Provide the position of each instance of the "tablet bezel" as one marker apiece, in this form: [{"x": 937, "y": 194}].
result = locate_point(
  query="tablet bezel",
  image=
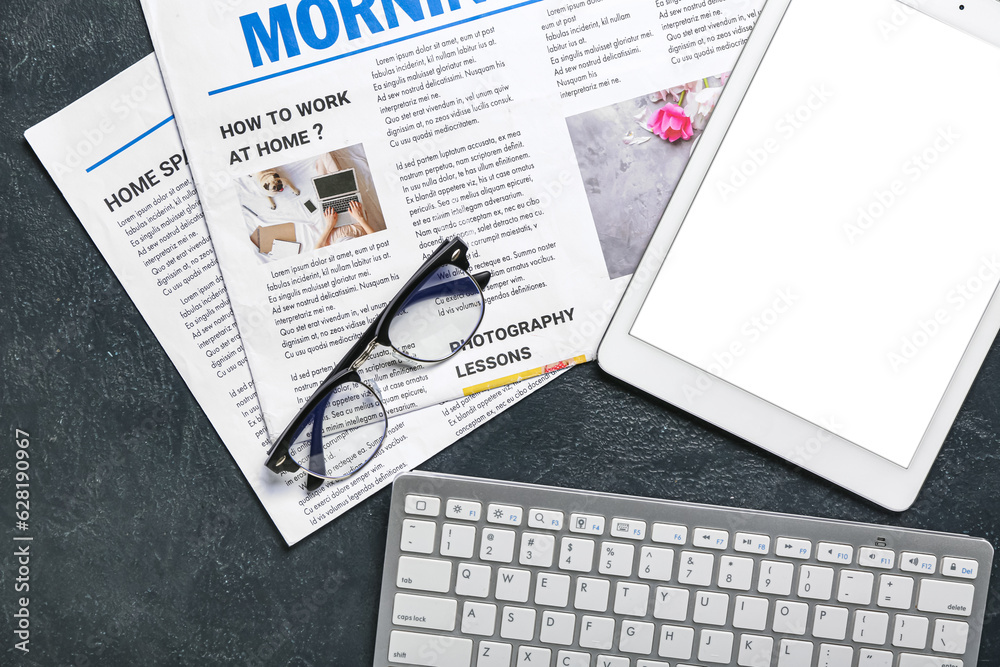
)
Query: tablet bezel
[{"x": 752, "y": 418}]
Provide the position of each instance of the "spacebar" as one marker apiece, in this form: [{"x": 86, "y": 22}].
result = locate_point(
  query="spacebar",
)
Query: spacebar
[{"x": 411, "y": 648}]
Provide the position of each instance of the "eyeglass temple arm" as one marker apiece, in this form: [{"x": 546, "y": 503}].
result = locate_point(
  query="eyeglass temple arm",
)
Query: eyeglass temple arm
[{"x": 316, "y": 444}]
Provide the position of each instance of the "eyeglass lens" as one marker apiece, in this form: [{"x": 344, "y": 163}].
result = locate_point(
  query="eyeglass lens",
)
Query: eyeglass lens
[
  {"x": 353, "y": 424},
  {"x": 438, "y": 317}
]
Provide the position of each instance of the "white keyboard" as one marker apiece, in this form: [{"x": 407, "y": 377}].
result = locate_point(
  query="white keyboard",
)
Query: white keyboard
[{"x": 498, "y": 574}]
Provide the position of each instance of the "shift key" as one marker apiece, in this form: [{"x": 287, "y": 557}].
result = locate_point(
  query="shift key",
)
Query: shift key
[
  {"x": 424, "y": 574},
  {"x": 946, "y": 597},
  {"x": 411, "y": 648}
]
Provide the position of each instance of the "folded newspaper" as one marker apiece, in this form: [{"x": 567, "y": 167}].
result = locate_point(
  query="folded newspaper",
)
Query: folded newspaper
[
  {"x": 548, "y": 134},
  {"x": 159, "y": 248}
]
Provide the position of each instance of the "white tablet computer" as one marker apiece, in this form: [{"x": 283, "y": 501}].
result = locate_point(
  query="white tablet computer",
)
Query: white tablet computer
[{"x": 823, "y": 281}]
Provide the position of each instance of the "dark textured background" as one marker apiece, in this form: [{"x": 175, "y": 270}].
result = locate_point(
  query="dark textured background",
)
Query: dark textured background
[{"x": 151, "y": 548}]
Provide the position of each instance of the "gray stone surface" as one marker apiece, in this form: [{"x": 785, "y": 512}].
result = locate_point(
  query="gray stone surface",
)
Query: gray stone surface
[
  {"x": 628, "y": 185},
  {"x": 150, "y": 547}
]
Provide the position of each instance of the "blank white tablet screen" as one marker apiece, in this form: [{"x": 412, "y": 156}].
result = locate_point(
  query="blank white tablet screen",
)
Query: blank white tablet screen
[{"x": 846, "y": 241}]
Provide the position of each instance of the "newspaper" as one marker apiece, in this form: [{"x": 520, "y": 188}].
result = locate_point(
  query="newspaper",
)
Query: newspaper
[
  {"x": 547, "y": 134},
  {"x": 158, "y": 245}
]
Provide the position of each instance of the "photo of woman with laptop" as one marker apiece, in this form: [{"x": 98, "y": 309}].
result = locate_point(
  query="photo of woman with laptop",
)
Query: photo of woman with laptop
[{"x": 310, "y": 204}]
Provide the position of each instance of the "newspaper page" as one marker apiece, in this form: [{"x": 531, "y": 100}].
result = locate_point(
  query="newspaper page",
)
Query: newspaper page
[
  {"x": 122, "y": 137},
  {"x": 548, "y": 134}
]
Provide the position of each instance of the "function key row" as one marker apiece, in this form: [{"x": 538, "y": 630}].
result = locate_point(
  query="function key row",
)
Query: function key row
[{"x": 706, "y": 538}]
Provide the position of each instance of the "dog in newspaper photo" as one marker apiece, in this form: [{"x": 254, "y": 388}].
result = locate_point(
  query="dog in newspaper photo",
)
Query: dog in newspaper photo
[{"x": 271, "y": 182}]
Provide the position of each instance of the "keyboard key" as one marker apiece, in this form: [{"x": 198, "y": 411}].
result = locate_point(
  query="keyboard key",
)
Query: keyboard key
[
  {"x": 830, "y": 622},
  {"x": 910, "y": 660},
  {"x": 458, "y": 541},
  {"x": 716, "y": 646},
  {"x": 631, "y": 599},
  {"x": 922, "y": 563},
  {"x": 656, "y": 563},
  {"x": 671, "y": 604},
  {"x": 465, "y": 510},
  {"x": 945, "y": 597},
  {"x": 788, "y": 547},
  {"x": 696, "y": 568},
  {"x": 882, "y": 559},
  {"x": 790, "y": 617},
  {"x": 667, "y": 533},
  {"x": 750, "y": 613},
  {"x": 651, "y": 663},
  {"x": 755, "y": 651},
  {"x": 871, "y": 658},
  {"x": 834, "y": 553},
  {"x": 752, "y": 544},
  {"x": 518, "y": 623},
  {"x": 616, "y": 559},
  {"x": 423, "y": 574},
  {"x": 497, "y": 545},
  {"x": 636, "y": 637},
  {"x": 479, "y": 618},
  {"x": 513, "y": 585},
  {"x": 592, "y": 594},
  {"x": 418, "y": 611},
  {"x": 630, "y": 529},
  {"x": 895, "y": 592},
  {"x": 711, "y": 608},
  {"x": 576, "y": 555},
  {"x": 493, "y": 654},
  {"x": 709, "y": 538},
  {"x": 552, "y": 590},
  {"x": 856, "y": 587},
  {"x": 910, "y": 632},
  {"x": 422, "y": 505},
  {"x": 537, "y": 549},
  {"x": 736, "y": 573},
  {"x": 418, "y": 536},
  {"x": 508, "y": 515},
  {"x": 473, "y": 580},
  {"x": 816, "y": 583},
  {"x": 411, "y": 648},
  {"x": 557, "y": 628},
  {"x": 950, "y": 637},
  {"x": 597, "y": 632},
  {"x": 612, "y": 661},
  {"x": 835, "y": 655},
  {"x": 676, "y": 642},
  {"x": 775, "y": 578},
  {"x": 545, "y": 519},
  {"x": 960, "y": 567},
  {"x": 794, "y": 653},
  {"x": 589, "y": 524},
  {"x": 572, "y": 659},
  {"x": 532, "y": 656},
  {"x": 870, "y": 627}
]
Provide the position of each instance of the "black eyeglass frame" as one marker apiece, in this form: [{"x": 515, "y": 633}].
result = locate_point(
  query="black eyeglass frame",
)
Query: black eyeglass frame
[{"x": 452, "y": 252}]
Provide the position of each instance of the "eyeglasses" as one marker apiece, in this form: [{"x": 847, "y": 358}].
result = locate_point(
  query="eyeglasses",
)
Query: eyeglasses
[{"x": 341, "y": 427}]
